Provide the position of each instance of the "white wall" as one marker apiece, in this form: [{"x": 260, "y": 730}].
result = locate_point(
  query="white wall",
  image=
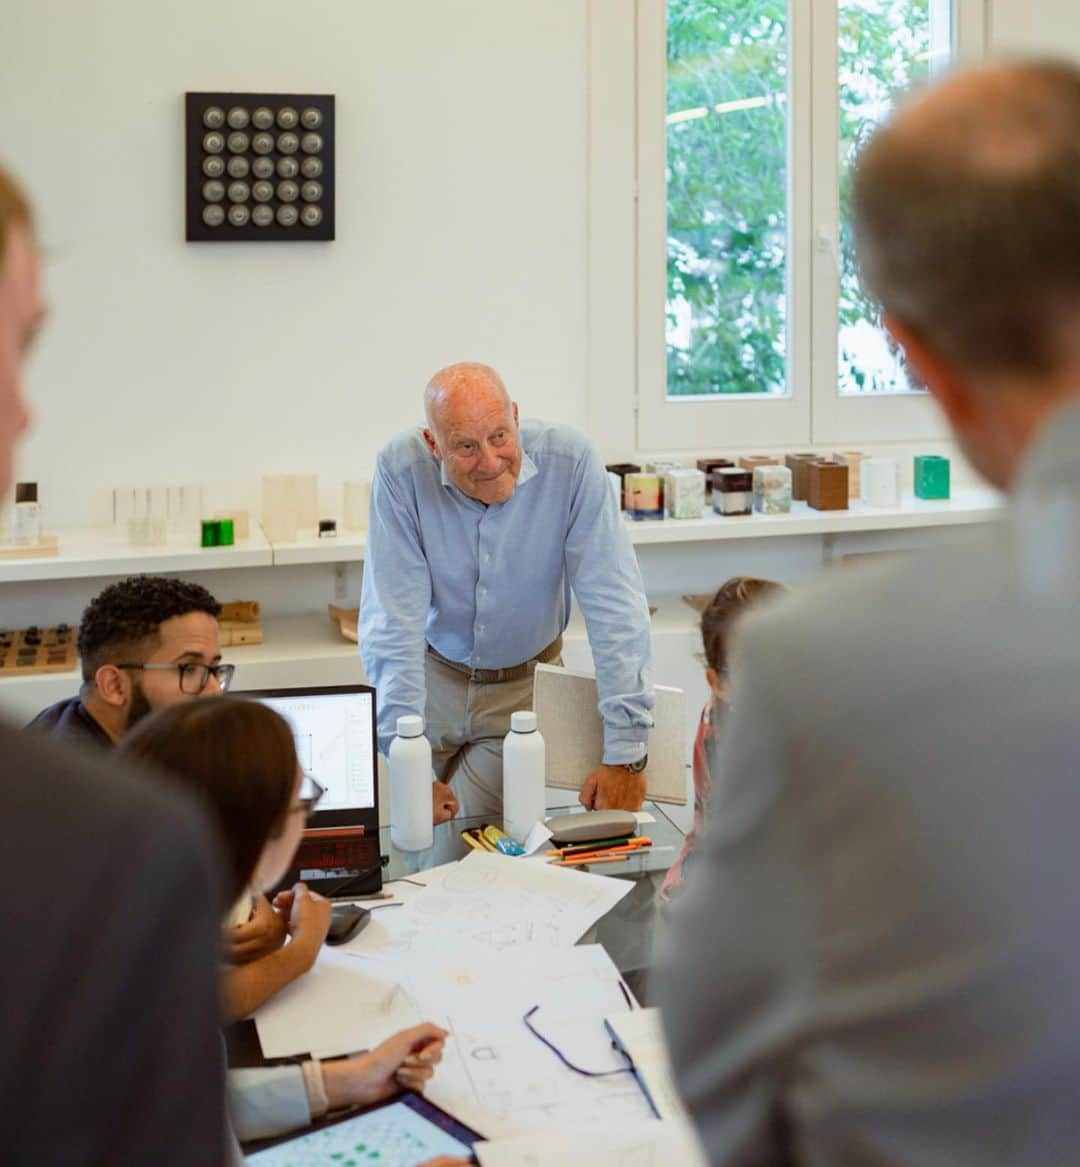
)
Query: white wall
[
  {"x": 1043, "y": 26},
  {"x": 461, "y": 221}
]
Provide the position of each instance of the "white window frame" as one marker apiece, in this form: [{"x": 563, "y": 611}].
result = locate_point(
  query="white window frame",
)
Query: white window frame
[{"x": 812, "y": 412}]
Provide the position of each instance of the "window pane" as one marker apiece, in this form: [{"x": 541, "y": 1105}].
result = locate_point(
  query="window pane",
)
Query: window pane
[
  {"x": 886, "y": 46},
  {"x": 727, "y": 195}
]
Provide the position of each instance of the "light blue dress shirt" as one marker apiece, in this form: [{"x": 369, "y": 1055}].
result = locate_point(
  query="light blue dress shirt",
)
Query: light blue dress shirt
[{"x": 489, "y": 586}]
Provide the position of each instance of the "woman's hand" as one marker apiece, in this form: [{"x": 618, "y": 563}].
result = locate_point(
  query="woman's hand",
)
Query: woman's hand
[
  {"x": 262, "y": 934},
  {"x": 405, "y": 1061}
]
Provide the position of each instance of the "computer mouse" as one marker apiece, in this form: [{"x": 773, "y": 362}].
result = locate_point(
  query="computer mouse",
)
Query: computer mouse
[{"x": 346, "y": 920}]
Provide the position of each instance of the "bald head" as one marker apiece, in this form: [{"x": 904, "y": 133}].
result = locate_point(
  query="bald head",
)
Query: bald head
[
  {"x": 967, "y": 217},
  {"x": 472, "y": 429}
]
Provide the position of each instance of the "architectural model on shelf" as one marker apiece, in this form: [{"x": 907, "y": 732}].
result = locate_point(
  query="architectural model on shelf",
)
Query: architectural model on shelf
[
  {"x": 48, "y": 547},
  {"x": 24, "y": 651}
]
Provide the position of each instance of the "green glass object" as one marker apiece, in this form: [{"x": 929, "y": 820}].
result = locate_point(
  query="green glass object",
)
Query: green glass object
[
  {"x": 226, "y": 537},
  {"x": 931, "y": 476},
  {"x": 211, "y": 532}
]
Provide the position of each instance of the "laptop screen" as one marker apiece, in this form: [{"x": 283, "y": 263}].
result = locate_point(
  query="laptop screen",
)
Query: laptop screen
[
  {"x": 334, "y": 741},
  {"x": 334, "y": 731}
]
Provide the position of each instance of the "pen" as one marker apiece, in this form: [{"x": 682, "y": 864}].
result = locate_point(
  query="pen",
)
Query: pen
[
  {"x": 629, "y": 848},
  {"x": 603, "y": 847},
  {"x": 602, "y": 857},
  {"x": 593, "y": 844}
]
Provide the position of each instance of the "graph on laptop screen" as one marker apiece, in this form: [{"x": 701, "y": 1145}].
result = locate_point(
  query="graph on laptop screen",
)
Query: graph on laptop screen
[{"x": 334, "y": 742}]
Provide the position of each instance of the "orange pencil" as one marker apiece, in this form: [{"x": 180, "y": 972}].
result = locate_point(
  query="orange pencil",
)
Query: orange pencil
[
  {"x": 586, "y": 861},
  {"x": 581, "y": 849},
  {"x": 601, "y": 856}
]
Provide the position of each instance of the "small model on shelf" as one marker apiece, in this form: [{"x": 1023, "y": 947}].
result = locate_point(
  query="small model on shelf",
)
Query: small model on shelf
[
  {"x": 37, "y": 650},
  {"x": 239, "y": 624}
]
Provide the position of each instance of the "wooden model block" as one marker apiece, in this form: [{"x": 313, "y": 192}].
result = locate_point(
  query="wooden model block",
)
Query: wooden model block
[
  {"x": 46, "y": 549},
  {"x": 799, "y": 465},
  {"x": 239, "y": 624},
  {"x": 752, "y": 461},
  {"x": 242, "y": 611},
  {"x": 37, "y": 650},
  {"x": 241, "y": 521},
  {"x": 347, "y": 620},
  {"x": 853, "y": 460},
  {"x": 931, "y": 476},
  {"x": 827, "y": 489}
]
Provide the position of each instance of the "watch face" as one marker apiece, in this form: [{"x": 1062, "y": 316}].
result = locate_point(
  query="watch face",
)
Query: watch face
[
  {"x": 287, "y": 215},
  {"x": 213, "y": 191},
  {"x": 262, "y": 192},
  {"x": 213, "y": 143},
  {"x": 288, "y": 143},
  {"x": 311, "y": 192},
  {"x": 238, "y": 117},
  {"x": 288, "y": 167},
  {"x": 239, "y": 192},
  {"x": 213, "y": 166},
  {"x": 239, "y": 167},
  {"x": 312, "y": 143},
  {"x": 238, "y": 142},
  {"x": 311, "y": 215},
  {"x": 213, "y": 117},
  {"x": 262, "y": 215},
  {"x": 311, "y": 118},
  {"x": 262, "y": 118},
  {"x": 287, "y": 117},
  {"x": 263, "y": 168},
  {"x": 287, "y": 191},
  {"x": 213, "y": 215},
  {"x": 311, "y": 167},
  {"x": 239, "y": 215},
  {"x": 262, "y": 143}
]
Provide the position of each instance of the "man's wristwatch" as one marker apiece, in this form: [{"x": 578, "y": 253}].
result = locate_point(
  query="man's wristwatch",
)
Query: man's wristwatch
[{"x": 638, "y": 766}]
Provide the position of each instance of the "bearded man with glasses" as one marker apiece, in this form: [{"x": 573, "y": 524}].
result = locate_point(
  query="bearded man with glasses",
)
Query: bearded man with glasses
[{"x": 144, "y": 643}]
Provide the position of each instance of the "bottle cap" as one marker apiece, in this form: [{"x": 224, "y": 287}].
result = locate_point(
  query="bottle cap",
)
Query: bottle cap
[
  {"x": 26, "y": 492},
  {"x": 523, "y": 722},
  {"x": 410, "y": 725}
]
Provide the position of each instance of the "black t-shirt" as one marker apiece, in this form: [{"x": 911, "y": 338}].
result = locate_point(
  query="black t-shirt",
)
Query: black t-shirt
[{"x": 70, "y": 721}]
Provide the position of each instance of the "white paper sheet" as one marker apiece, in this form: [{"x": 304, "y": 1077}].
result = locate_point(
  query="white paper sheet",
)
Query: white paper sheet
[
  {"x": 340, "y": 1006},
  {"x": 500, "y": 903},
  {"x": 496, "y": 1075},
  {"x": 638, "y": 1144},
  {"x": 641, "y": 1034}
]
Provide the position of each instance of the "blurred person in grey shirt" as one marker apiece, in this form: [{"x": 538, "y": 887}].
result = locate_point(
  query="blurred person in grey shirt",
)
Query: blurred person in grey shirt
[{"x": 877, "y": 960}]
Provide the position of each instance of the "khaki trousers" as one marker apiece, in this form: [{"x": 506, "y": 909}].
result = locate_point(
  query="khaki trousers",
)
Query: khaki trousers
[{"x": 466, "y": 721}]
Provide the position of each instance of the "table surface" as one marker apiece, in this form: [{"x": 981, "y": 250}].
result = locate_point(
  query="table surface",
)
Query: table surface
[{"x": 666, "y": 835}]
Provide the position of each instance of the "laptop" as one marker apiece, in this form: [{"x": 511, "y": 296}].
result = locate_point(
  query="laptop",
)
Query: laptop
[{"x": 337, "y": 745}]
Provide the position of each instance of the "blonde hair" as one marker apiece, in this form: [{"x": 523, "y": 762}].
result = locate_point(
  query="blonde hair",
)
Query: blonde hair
[{"x": 14, "y": 210}]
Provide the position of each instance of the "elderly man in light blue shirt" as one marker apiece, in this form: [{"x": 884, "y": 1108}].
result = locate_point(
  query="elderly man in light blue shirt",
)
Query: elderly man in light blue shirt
[{"x": 479, "y": 530}]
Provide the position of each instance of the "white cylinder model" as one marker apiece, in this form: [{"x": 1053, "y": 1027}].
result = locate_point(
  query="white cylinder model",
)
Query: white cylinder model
[
  {"x": 523, "y": 776},
  {"x": 880, "y": 482},
  {"x": 410, "y": 787}
]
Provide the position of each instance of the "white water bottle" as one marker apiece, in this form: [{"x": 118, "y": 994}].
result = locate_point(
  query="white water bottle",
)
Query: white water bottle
[
  {"x": 410, "y": 786},
  {"x": 523, "y": 776}
]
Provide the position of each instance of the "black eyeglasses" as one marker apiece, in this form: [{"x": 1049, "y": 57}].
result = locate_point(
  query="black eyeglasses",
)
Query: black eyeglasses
[
  {"x": 194, "y": 677},
  {"x": 309, "y": 801},
  {"x": 627, "y": 1069}
]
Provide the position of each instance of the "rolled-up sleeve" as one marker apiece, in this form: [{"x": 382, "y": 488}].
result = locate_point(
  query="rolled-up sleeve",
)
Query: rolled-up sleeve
[
  {"x": 394, "y": 604},
  {"x": 604, "y": 573}
]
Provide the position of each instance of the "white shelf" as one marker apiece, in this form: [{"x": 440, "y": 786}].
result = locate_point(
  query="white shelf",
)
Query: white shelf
[
  {"x": 104, "y": 551},
  {"x": 966, "y": 506},
  {"x": 340, "y": 549}
]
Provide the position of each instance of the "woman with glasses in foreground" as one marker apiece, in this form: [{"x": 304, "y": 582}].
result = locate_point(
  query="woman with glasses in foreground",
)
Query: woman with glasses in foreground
[{"x": 239, "y": 757}]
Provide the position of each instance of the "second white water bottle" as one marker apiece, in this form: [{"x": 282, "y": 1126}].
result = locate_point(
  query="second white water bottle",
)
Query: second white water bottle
[
  {"x": 410, "y": 786},
  {"x": 523, "y": 776}
]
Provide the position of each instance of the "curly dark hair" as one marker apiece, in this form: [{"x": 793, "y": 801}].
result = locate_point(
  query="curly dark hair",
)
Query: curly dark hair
[{"x": 120, "y": 620}]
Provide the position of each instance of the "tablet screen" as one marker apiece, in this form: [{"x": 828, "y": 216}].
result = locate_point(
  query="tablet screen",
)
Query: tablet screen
[{"x": 403, "y": 1133}]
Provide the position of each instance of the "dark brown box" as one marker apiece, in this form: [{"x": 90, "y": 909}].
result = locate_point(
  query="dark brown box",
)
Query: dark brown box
[
  {"x": 827, "y": 486},
  {"x": 799, "y": 465},
  {"x": 708, "y": 465}
]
